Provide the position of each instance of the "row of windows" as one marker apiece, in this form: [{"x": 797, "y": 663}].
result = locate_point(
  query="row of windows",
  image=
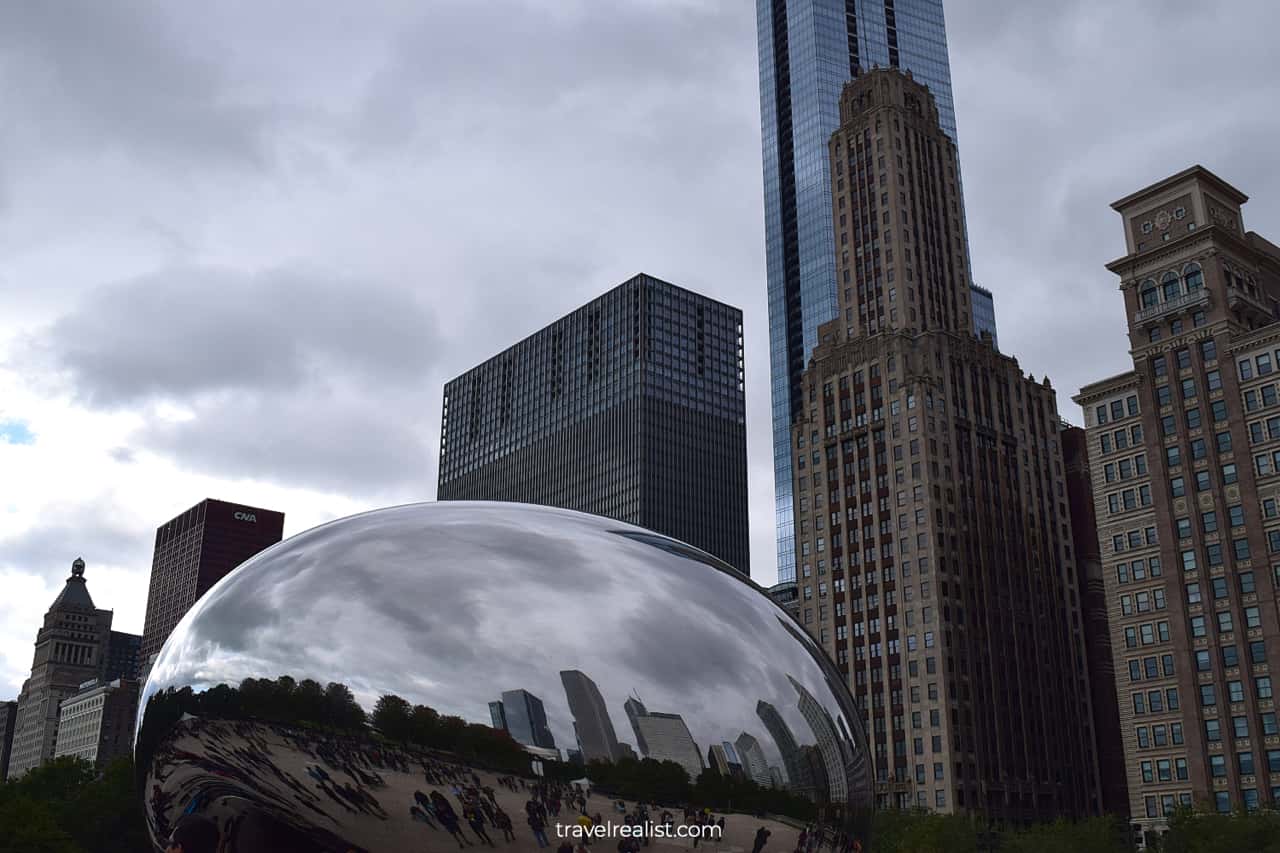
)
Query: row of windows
[
  {"x": 1178, "y": 485},
  {"x": 1219, "y": 587},
  {"x": 1213, "y": 553},
  {"x": 1160, "y": 735},
  {"x": 1213, "y": 381},
  {"x": 1155, "y": 701},
  {"x": 1177, "y": 327},
  {"x": 1240, "y": 727},
  {"x": 1194, "y": 419},
  {"x": 1126, "y": 469},
  {"x": 1260, "y": 398},
  {"x": 1258, "y": 365},
  {"x": 1146, "y": 634},
  {"x": 1133, "y": 539},
  {"x": 1244, "y": 764},
  {"x": 1182, "y": 357},
  {"x": 1151, "y": 667},
  {"x": 1121, "y": 439},
  {"x": 1137, "y": 570},
  {"x": 1209, "y": 521},
  {"x": 1231, "y": 656},
  {"x": 1235, "y": 691},
  {"x": 1142, "y": 602},
  {"x": 1118, "y": 409},
  {"x": 1260, "y": 431},
  {"x": 1164, "y": 770},
  {"x": 1171, "y": 286},
  {"x": 1129, "y": 499},
  {"x": 1226, "y": 623}
]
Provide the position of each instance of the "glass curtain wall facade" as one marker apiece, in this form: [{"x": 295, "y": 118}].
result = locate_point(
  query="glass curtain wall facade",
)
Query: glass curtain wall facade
[
  {"x": 808, "y": 50},
  {"x": 631, "y": 407}
]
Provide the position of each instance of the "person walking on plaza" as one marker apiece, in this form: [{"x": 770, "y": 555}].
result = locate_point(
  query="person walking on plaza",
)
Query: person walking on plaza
[
  {"x": 503, "y": 821},
  {"x": 473, "y": 817},
  {"x": 537, "y": 823},
  {"x": 762, "y": 835},
  {"x": 448, "y": 818}
]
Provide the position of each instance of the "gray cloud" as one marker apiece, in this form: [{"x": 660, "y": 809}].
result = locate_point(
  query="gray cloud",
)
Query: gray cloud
[
  {"x": 124, "y": 80},
  {"x": 76, "y": 530},
  {"x": 455, "y": 178},
  {"x": 310, "y": 381},
  {"x": 1063, "y": 108},
  {"x": 181, "y": 333},
  {"x": 336, "y": 438}
]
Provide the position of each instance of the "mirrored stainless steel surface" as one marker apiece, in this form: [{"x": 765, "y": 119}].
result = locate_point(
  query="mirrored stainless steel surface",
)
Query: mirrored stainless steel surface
[{"x": 382, "y": 681}]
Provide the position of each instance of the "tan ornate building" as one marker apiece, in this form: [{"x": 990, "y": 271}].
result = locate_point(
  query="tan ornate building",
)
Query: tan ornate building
[
  {"x": 71, "y": 648},
  {"x": 1184, "y": 454},
  {"x": 934, "y": 544}
]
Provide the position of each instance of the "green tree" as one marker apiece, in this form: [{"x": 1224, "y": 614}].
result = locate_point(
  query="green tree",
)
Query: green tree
[
  {"x": 68, "y": 807},
  {"x": 30, "y": 826},
  {"x": 1208, "y": 832},
  {"x": 1095, "y": 835},
  {"x": 392, "y": 716}
]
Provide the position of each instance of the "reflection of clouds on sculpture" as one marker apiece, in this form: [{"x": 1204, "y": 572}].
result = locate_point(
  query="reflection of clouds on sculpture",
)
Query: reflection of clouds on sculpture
[{"x": 450, "y": 604}]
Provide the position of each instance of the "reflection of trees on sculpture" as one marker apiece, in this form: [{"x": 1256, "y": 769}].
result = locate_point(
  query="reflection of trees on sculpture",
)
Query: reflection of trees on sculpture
[
  {"x": 333, "y": 708},
  {"x": 472, "y": 743},
  {"x": 285, "y": 700}
]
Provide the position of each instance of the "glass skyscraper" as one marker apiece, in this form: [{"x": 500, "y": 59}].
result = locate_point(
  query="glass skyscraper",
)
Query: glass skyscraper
[
  {"x": 809, "y": 49},
  {"x": 631, "y": 407}
]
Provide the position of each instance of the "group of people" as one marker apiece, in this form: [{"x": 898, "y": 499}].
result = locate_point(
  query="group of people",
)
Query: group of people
[
  {"x": 480, "y": 810},
  {"x": 342, "y": 783},
  {"x": 240, "y": 759},
  {"x": 814, "y": 837}
]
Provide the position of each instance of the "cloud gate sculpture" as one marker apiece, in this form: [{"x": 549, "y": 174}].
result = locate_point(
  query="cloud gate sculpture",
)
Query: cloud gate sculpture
[{"x": 445, "y": 674}]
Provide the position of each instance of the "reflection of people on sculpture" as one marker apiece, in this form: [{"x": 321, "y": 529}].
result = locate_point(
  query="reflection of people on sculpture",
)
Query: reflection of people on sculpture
[
  {"x": 475, "y": 820},
  {"x": 193, "y": 834},
  {"x": 537, "y": 819},
  {"x": 503, "y": 822}
]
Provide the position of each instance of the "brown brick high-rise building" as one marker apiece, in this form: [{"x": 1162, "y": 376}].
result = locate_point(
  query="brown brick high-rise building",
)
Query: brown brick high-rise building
[
  {"x": 1092, "y": 585},
  {"x": 193, "y": 552},
  {"x": 1185, "y": 452},
  {"x": 934, "y": 544}
]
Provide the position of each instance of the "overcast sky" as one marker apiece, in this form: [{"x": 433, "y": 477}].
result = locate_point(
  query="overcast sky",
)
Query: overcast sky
[{"x": 242, "y": 245}]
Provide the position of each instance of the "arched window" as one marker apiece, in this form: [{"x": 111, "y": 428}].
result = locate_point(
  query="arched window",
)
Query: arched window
[
  {"x": 1149, "y": 295},
  {"x": 1169, "y": 288},
  {"x": 1192, "y": 275}
]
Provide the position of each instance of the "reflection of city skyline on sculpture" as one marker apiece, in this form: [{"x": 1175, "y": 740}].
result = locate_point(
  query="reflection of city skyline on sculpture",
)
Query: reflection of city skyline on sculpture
[
  {"x": 524, "y": 717},
  {"x": 830, "y": 745},
  {"x": 797, "y": 770},
  {"x": 596, "y": 737},
  {"x": 754, "y": 762},
  {"x": 602, "y": 618},
  {"x": 664, "y": 737}
]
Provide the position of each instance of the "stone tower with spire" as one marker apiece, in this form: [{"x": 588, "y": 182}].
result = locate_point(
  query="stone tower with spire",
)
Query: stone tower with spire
[
  {"x": 71, "y": 648},
  {"x": 933, "y": 536}
]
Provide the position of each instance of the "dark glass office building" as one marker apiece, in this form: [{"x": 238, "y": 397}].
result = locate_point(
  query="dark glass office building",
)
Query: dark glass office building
[
  {"x": 984, "y": 313},
  {"x": 808, "y": 50},
  {"x": 124, "y": 653},
  {"x": 526, "y": 719},
  {"x": 631, "y": 407},
  {"x": 193, "y": 552}
]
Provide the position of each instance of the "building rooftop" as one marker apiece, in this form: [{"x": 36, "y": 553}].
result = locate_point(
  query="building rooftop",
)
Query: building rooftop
[
  {"x": 76, "y": 591},
  {"x": 1196, "y": 171}
]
